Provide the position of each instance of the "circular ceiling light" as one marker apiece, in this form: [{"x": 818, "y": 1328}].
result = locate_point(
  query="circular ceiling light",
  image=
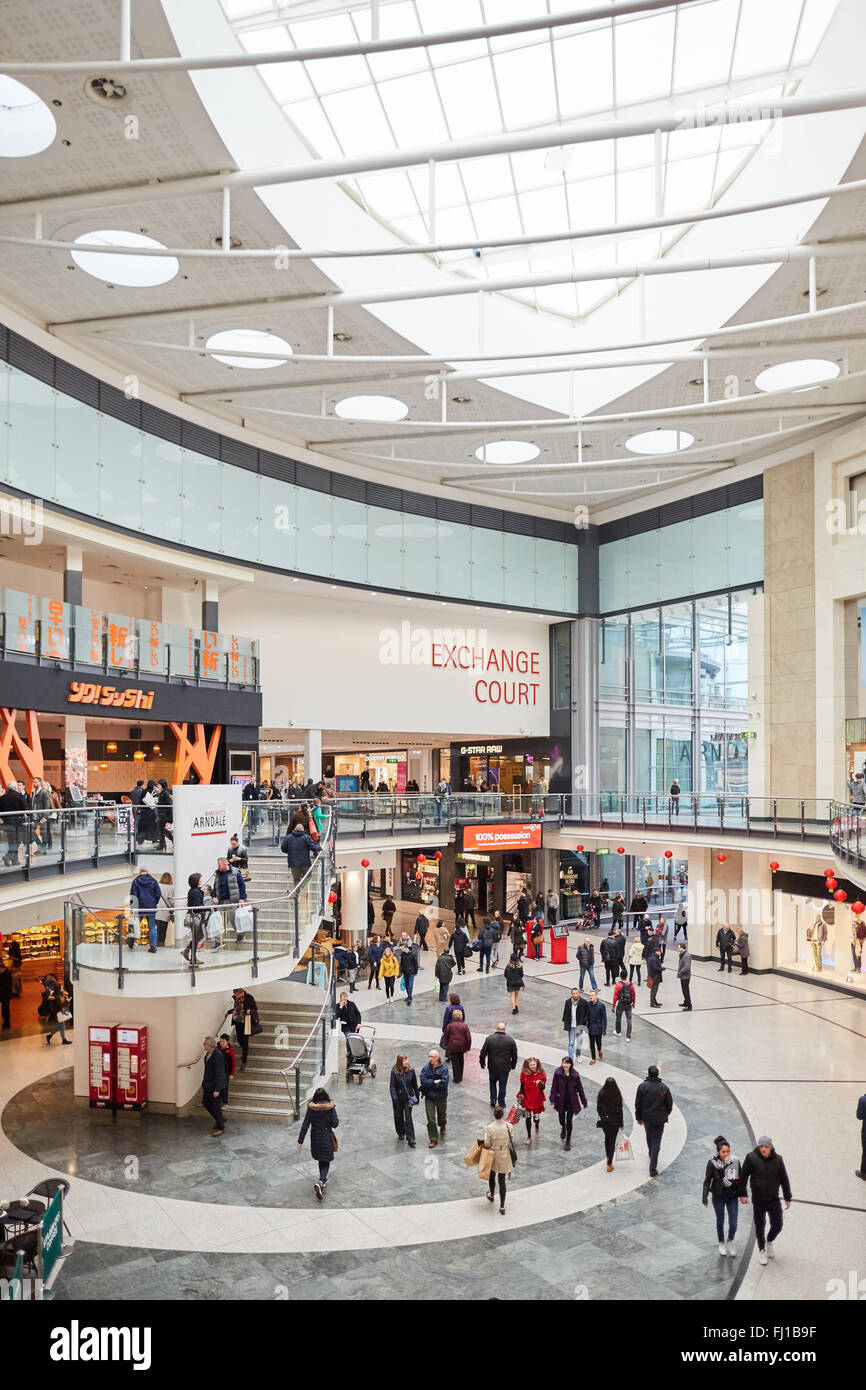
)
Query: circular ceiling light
[
  {"x": 508, "y": 451},
  {"x": 26, "y": 123},
  {"x": 797, "y": 375},
  {"x": 659, "y": 441},
  {"x": 248, "y": 340},
  {"x": 381, "y": 408},
  {"x": 137, "y": 271}
]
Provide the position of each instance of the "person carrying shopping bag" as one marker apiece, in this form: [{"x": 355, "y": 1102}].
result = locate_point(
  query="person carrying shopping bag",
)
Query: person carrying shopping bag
[{"x": 498, "y": 1143}]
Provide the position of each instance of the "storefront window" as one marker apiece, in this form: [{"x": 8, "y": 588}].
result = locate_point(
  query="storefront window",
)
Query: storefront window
[{"x": 420, "y": 881}]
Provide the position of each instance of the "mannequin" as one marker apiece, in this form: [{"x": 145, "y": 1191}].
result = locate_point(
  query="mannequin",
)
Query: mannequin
[{"x": 816, "y": 935}]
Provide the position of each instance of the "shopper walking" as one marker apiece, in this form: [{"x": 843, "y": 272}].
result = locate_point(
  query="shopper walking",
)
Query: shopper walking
[
  {"x": 404, "y": 1098},
  {"x": 487, "y": 939},
  {"x": 434, "y": 1088},
  {"x": 638, "y": 906},
  {"x": 408, "y": 967},
  {"x": 575, "y": 1021},
  {"x": 617, "y": 910},
  {"x": 165, "y": 908},
  {"x": 684, "y": 975},
  {"x": 681, "y": 923},
  {"x": 457, "y": 1041},
  {"x": 453, "y": 1003},
  {"x": 469, "y": 907},
  {"x": 596, "y": 1027},
  {"x": 765, "y": 1170},
  {"x": 861, "y": 1115},
  {"x": 225, "y": 1047},
  {"x": 654, "y": 972},
  {"x": 444, "y": 971},
  {"x": 375, "y": 951},
  {"x": 609, "y": 1104},
  {"x": 144, "y": 898},
  {"x": 653, "y": 1104},
  {"x": 229, "y": 889},
  {"x": 299, "y": 848},
  {"x": 348, "y": 1015},
  {"x": 195, "y": 918},
  {"x": 586, "y": 961},
  {"x": 608, "y": 953},
  {"x": 552, "y": 908},
  {"x": 595, "y": 906},
  {"x": 460, "y": 945},
  {"x": 533, "y": 1080},
  {"x": 389, "y": 908},
  {"x": 499, "y": 1055},
  {"x": 634, "y": 960},
  {"x": 321, "y": 1120},
  {"x": 675, "y": 797},
  {"x": 213, "y": 1083},
  {"x": 619, "y": 944},
  {"x": 514, "y": 982},
  {"x": 5, "y": 994},
  {"x": 567, "y": 1098},
  {"x": 743, "y": 950},
  {"x": 499, "y": 1142},
  {"x": 722, "y": 1183},
  {"x": 55, "y": 1003},
  {"x": 245, "y": 1020},
  {"x": 422, "y": 926},
  {"x": 389, "y": 969},
  {"x": 536, "y": 937},
  {"x": 624, "y": 1001},
  {"x": 725, "y": 940}
]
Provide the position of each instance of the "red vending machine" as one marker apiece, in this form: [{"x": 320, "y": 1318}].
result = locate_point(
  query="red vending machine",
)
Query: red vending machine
[
  {"x": 100, "y": 1055},
  {"x": 130, "y": 1084},
  {"x": 559, "y": 944}
]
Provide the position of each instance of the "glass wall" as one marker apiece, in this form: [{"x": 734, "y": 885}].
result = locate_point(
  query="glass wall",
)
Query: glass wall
[
  {"x": 720, "y": 550},
  {"x": 64, "y": 451}
]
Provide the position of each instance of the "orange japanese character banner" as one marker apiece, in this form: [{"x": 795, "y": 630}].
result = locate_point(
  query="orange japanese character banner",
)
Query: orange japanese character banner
[
  {"x": 28, "y": 754},
  {"x": 55, "y": 622},
  {"x": 121, "y": 642}
]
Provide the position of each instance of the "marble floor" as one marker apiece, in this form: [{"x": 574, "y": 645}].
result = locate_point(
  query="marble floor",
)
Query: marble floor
[{"x": 158, "y": 1201}]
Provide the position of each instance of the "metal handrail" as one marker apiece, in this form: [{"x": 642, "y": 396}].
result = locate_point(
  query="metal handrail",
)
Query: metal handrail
[{"x": 294, "y": 1066}]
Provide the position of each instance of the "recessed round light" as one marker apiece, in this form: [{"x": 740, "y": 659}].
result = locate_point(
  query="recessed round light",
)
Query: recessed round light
[
  {"x": 248, "y": 340},
  {"x": 798, "y": 374},
  {"x": 659, "y": 441},
  {"x": 382, "y": 408},
  {"x": 136, "y": 271},
  {"x": 508, "y": 451},
  {"x": 26, "y": 124}
]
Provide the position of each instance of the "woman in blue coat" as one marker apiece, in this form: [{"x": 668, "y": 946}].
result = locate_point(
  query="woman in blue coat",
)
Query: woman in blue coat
[{"x": 321, "y": 1120}]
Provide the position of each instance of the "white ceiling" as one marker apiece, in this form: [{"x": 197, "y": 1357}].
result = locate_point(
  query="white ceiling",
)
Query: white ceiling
[{"x": 176, "y": 137}]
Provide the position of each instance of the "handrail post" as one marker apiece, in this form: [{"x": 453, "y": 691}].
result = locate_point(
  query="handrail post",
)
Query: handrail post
[
  {"x": 748, "y": 803},
  {"x": 96, "y": 837},
  {"x": 775, "y": 821},
  {"x": 63, "y": 842},
  {"x": 297, "y": 1092},
  {"x": 254, "y": 964},
  {"x": 295, "y": 901},
  {"x": 802, "y": 820},
  {"x": 76, "y": 931},
  {"x": 119, "y": 924}
]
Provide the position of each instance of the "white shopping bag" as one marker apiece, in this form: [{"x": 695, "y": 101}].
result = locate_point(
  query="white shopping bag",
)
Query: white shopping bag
[{"x": 624, "y": 1150}]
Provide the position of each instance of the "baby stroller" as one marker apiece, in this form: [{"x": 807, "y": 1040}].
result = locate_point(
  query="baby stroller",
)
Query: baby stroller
[
  {"x": 588, "y": 921},
  {"x": 360, "y": 1045}
]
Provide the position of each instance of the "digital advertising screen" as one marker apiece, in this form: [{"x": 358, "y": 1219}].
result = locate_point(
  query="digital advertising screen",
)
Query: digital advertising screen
[{"x": 479, "y": 839}]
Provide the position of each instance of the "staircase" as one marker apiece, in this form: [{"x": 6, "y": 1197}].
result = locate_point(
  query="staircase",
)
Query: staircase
[{"x": 261, "y": 1089}]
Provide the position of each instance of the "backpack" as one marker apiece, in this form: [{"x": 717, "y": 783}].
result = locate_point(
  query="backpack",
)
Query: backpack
[
  {"x": 627, "y": 995},
  {"x": 351, "y": 960}
]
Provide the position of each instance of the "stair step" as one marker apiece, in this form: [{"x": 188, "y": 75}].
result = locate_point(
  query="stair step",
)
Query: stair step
[{"x": 287, "y": 1114}]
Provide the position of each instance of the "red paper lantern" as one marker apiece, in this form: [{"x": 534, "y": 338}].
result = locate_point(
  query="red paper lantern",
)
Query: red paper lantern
[
  {"x": 669, "y": 854},
  {"x": 774, "y": 864},
  {"x": 620, "y": 849},
  {"x": 365, "y": 863},
  {"x": 438, "y": 854},
  {"x": 832, "y": 885},
  {"x": 332, "y": 897},
  {"x": 721, "y": 858},
  {"x": 422, "y": 859},
  {"x": 828, "y": 873},
  {"x": 840, "y": 895},
  {"x": 858, "y": 908},
  {"x": 579, "y": 848}
]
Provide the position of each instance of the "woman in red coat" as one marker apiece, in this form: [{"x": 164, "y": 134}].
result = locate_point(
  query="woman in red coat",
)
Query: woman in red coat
[{"x": 533, "y": 1080}]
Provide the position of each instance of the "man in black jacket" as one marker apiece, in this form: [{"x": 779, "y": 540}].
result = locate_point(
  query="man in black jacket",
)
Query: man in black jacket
[
  {"x": 767, "y": 1173},
  {"x": 499, "y": 1055},
  {"x": 422, "y": 926},
  {"x": 213, "y": 1083},
  {"x": 725, "y": 940},
  {"x": 349, "y": 1015},
  {"x": 12, "y": 803},
  {"x": 653, "y": 1104},
  {"x": 575, "y": 1021}
]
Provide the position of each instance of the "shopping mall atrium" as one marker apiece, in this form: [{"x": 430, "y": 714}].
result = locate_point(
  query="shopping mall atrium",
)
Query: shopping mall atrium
[{"x": 464, "y": 397}]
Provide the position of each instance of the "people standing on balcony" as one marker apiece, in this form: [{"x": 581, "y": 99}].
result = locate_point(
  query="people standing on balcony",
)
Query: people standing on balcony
[
  {"x": 440, "y": 800},
  {"x": 514, "y": 982},
  {"x": 245, "y": 1020},
  {"x": 213, "y": 1083},
  {"x": 165, "y": 907},
  {"x": 249, "y": 796},
  {"x": 148, "y": 824},
  {"x": 12, "y": 806},
  {"x": 567, "y": 1098},
  {"x": 586, "y": 961},
  {"x": 743, "y": 950},
  {"x": 299, "y": 849},
  {"x": 675, "y": 797},
  {"x": 653, "y": 1104},
  {"x": 624, "y": 1001},
  {"x": 321, "y": 1120},
  {"x": 164, "y": 813},
  {"x": 857, "y": 792},
  {"x": 375, "y": 951},
  {"x": 404, "y": 1098},
  {"x": 726, "y": 940},
  {"x": 457, "y": 1041},
  {"x": 195, "y": 917},
  {"x": 144, "y": 896},
  {"x": 40, "y": 801},
  {"x": 684, "y": 975},
  {"x": 389, "y": 969}
]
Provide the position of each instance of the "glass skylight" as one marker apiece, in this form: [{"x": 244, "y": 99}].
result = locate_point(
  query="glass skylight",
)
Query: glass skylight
[
  {"x": 26, "y": 124},
  {"x": 381, "y": 408},
  {"x": 138, "y": 271},
  {"x": 508, "y": 451},
  {"x": 248, "y": 340},
  {"x": 659, "y": 441},
  {"x": 797, "y": 375},
  {"x": 710, "y": 50}
]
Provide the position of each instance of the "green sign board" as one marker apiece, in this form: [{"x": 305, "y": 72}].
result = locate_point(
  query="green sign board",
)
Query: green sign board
[
  {"x": 52, "y": 1235},
  {"x": 12, "y": 1289}
]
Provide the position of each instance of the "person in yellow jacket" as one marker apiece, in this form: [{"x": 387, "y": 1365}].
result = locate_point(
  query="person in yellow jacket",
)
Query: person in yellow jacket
[{"x": 388, "y": 971}]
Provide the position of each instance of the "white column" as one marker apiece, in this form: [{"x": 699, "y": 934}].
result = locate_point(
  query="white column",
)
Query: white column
[
  {"x": 353, "y": 884},
  {"x": 313, "y": 754}
]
